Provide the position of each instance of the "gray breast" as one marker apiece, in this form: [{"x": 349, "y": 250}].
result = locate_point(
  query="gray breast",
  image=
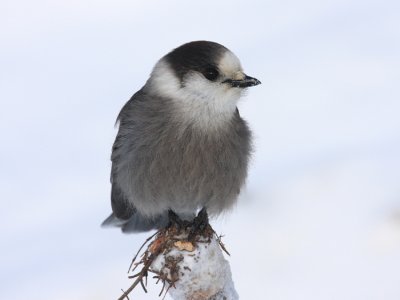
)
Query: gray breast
[{"x": 161, "y": 165}]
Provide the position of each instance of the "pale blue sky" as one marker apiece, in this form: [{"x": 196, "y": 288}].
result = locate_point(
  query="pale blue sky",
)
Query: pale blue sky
[{"x": 320, "y": 217}]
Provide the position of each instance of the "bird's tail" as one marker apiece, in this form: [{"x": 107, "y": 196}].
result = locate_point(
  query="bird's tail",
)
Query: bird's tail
[{"x": 136, "y": 223}]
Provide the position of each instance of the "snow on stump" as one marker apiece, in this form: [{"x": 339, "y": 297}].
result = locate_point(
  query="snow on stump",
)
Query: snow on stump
[{"x": 188, "y": 260}]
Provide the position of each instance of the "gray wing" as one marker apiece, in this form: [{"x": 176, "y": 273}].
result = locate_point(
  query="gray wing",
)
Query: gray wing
[
  {"x": 124, "y": 213},
  {"x": 122, "y": 208}
]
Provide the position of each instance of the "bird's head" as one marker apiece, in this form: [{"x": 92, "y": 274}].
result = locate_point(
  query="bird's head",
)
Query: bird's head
[{"x": 204, "y": 79}]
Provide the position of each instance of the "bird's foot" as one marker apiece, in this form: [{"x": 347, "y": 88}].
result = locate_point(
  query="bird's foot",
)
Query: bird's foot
[
  {"x": 175, "y": 221},
  {"x": 199, "y": 225}
]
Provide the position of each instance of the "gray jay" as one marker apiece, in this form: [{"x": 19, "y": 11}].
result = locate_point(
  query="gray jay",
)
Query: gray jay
[{"x": 181, "y": 145}]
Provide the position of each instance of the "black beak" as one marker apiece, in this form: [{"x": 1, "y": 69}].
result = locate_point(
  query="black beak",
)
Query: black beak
[{"x": 247, "y": 81}]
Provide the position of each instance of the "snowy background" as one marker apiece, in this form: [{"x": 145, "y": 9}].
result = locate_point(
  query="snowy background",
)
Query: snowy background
[{"x": 320, "y": 217}]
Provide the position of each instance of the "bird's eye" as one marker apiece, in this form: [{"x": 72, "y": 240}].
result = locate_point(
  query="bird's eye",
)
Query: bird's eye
[{"x": 211, "y": 74}]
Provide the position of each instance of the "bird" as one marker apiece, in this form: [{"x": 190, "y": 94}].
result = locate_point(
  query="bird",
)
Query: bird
[{"x": 181, "y": 146}]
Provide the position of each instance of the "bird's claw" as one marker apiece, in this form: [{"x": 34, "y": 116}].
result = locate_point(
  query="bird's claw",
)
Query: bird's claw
[{"x": 199, "y": 225}]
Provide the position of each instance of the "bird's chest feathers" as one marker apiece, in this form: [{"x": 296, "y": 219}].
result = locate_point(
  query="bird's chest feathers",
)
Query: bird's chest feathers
[{"x": 195, "y": 155}]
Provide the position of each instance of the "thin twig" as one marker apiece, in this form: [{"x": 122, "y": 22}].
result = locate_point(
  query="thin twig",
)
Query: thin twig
[
  {"x": 221, "y": 244},
  {"x": 166, "y": 292},
  {"x": 139, "y": 279},
  {"x": 140, "y": 249},
  {"x": 126, "y": 295}
]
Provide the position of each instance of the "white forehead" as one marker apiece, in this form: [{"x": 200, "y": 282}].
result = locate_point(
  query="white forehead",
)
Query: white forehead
[{"x": 229, "y": 63}]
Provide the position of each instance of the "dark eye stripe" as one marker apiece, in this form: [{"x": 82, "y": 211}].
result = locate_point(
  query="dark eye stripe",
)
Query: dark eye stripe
[{"x": 211, "y": 74}]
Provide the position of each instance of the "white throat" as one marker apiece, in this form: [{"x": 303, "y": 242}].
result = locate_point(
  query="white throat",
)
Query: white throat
[{"x": 199, "y": 101}]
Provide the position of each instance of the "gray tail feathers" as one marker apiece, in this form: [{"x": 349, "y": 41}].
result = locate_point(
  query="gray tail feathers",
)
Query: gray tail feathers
[{"x": 136, "y": 223}]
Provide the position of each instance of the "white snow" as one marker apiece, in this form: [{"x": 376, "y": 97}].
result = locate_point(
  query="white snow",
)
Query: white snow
[{"x": 203, "y": 273}]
